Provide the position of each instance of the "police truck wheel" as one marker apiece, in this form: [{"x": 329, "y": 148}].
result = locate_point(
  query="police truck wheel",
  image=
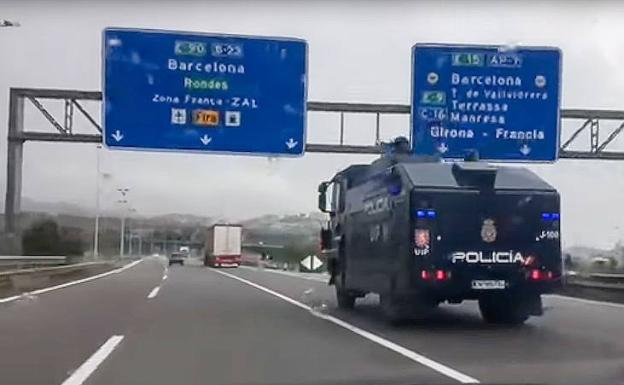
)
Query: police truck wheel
[
  {"x": 394, "y": 310},
  {"x": 502, "y": 310},
  {"x": 345, "y": 299}
]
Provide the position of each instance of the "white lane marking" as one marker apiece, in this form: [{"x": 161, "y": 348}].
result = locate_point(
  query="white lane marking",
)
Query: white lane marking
[
  {"x": 165, "y": 276},
  {"x": 9, "y": 299},
  {"x": 91, "y": 364},
  {"x": 587, "y": 301},
  {"x": 72, "y": 283},
  {"x": 153, "y": 293},
  {"x": 324, "y": 280},
  {"x": 438, "y": 367},
  {"x": 289, "y": 274}
]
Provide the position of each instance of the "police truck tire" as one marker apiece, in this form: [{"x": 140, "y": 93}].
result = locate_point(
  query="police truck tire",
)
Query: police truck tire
[
  {"x": 502, "y": 310},
  {"x": 394, "y": 311},
  {"x": 345, "y": 299}
]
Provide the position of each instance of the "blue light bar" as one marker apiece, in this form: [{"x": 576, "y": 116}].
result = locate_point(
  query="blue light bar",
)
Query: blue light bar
[
  {"x": 394, "y": 190},
  {"x": 420, "y": 214},
  {"x": 431, "y": 214},
  {"x": 551, "y": 216}
]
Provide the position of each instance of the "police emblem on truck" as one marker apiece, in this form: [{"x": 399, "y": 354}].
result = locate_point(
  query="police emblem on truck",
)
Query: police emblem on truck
[{"x": 488, "y": 231}]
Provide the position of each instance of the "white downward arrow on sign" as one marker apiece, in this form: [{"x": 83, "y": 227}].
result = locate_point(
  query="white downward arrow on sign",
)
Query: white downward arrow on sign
[
  {"x": 117, "y": 136},
  {"x": 291, "y": 143},
  {"x": 205, "y": 139},
  {"x": 443, "y": 148},
  {"x": 525, "y": 150}
]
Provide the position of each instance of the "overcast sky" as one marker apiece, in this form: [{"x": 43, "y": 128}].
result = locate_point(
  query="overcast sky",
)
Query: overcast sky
[{"x": 358, "y": 52}]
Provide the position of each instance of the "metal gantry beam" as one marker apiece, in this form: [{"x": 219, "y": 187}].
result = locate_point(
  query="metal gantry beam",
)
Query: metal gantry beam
[{"x": 591, "y": 120}]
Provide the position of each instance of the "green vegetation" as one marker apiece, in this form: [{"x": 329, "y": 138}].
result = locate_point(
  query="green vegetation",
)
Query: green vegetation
[{"x": 45, "y": 237}]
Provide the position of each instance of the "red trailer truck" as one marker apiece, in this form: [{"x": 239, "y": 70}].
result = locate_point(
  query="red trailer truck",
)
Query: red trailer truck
[{"x": 223, "y": 246}]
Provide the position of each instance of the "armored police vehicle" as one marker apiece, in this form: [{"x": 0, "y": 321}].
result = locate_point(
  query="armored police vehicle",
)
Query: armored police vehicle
[{"x": 419, "y": 231}]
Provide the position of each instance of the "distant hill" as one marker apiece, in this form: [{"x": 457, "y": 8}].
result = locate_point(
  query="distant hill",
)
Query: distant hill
[
  {"x": 183, "y": 219},
  {"x": 302, "y": 229},
  {"x": 54, "y": 207}
]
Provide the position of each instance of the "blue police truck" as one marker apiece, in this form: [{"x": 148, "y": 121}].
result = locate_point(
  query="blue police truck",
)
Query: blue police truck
[{"x": 419, "y": 231}]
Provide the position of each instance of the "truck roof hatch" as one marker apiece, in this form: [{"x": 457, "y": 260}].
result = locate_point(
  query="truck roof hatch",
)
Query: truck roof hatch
[{"x": 474, "y": 174}]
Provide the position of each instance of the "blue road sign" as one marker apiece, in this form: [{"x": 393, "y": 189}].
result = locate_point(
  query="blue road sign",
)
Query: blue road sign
[
  {"x": 503, "y": 103},
  {"x": 198, "y": 92}
]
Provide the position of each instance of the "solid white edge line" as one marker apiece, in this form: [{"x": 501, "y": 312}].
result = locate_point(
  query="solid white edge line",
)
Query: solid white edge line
[
  {"x": 153, "y": 293},
  {"x": 288, "y": 274},
  {"x": 92, "y": 363},
  {"x": 9, "y": 299},
  {"x": 438, "y": 367},
  {"x": 72, "y": 283}
]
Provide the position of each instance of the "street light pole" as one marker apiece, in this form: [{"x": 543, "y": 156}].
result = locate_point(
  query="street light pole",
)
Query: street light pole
[
  {"x": 121, "y": 238},
  {"x": 131, "y": 210},
  {"x": 123, "y": 192}
]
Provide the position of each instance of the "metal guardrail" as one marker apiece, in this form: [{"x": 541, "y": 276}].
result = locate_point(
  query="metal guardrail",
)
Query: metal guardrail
[
  {"x": 607, "y": 276},
  {"x": 597, "y": 280},
  {"x": 21, "y": 262},
  {"x": 23, "y": 280},
  {"x": 52, "y": 269}
]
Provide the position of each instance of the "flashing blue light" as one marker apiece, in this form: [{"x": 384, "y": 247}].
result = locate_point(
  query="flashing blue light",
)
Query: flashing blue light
[
  {"x": 431, "y": 214},
  {"x": 551, "y": 216},
  {"x": 420, "y": 214},
  {"x": 394, "y": 190}
]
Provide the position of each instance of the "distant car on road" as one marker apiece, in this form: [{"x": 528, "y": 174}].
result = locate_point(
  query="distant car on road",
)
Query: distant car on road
[{"x": 177, "y": 257}]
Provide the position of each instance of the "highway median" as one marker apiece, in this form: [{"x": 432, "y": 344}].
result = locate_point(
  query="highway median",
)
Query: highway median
[{"x": 19, "y": 281}]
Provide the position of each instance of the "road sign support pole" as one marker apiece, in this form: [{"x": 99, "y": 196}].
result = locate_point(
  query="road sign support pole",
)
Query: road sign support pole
[
  {"x": 377, "y": 133},
  {"x": 15, "y": 147},
  {"x": 341, "y": 128},
  {"x": 96, "y": 230}
]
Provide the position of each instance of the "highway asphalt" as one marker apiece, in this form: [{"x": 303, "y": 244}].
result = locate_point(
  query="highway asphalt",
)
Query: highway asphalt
[{"x": 192, "y": 325}]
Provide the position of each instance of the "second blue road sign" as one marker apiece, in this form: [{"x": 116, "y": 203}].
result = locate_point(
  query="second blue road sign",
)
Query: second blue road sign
[
  {"x": 503, "y": 103},
  {"x": 208, "y": 93}
]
